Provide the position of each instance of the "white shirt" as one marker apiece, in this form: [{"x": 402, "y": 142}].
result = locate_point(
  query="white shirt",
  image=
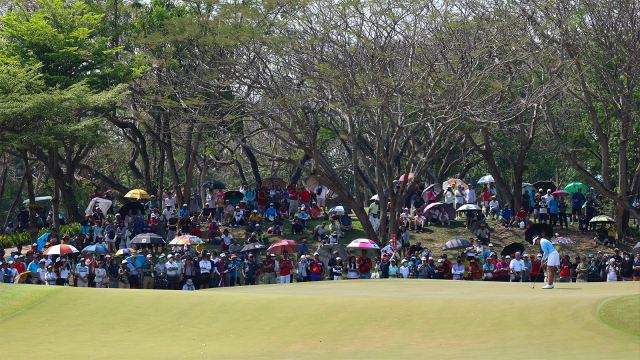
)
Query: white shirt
[
  {"x": 205, "y": 266},
  {"x": 64, "y": 272},
  {"x": 404, "y": 271},
  {"x": 323, "y": 194},
  {"x": 42, "y": 273},
  {"x": 186, "y": 287},
  {"x": 494, "y": 204},
  {"x": 517, "y": 265},
  {"x": 227, "y": 239},
  {"x": 471, "y": 196},
  {"x": 459, "y": 197},
  {"x": 543, "y": 207},
  {"x": 171, "y": 202},
  {"x": 448, "y": 197},
  {"x": 172, "y": 264},
  {"x": 238, "y": 214},
  {"x": 492, "y": 192},
  {"x": 100, "y": 274},
  {"x": 166, "y": 215},
  {"x": 548, "y": 198},
  {"x": 50, "y": 277},
  {"x": 211, "y": 200}
]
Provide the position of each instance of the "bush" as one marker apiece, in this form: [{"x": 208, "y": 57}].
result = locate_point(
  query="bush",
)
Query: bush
[{"x": 24, "y": 238}]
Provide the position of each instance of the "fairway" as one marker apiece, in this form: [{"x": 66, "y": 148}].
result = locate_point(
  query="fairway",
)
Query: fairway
[{"x": 344, "y": 319}]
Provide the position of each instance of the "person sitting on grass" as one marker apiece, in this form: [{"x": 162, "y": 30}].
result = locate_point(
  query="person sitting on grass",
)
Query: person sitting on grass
[
  {"x": 271, "y": 213},
  {"x": 522, "y": 216},
  {"x": 420, "y": 221},
  {"x": 346, "y": 223},
  {"x": 483, "y": 234},
  {"x": 506, "y": 220},
  {"x": 320, "y": 231},
  {"x": 296, "y": 227},
  {"x": 304, "y": 217},
  {"x": 277, "y": 228}
]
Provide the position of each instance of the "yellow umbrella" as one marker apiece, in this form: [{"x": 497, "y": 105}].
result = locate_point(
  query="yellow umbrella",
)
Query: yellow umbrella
[
  {"x": 137, "y": 193},
  {"x": 23, "y": 277},
  {"x": 125, "y": 251}
]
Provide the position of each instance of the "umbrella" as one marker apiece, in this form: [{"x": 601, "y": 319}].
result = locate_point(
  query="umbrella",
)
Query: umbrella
[
  {"x": 96, "y": 249},
  {"x": 326, "y": 252},
  {"x": 375, "y": 197},
  {"x": 454, "y": 183},
  {"x": 24, "y": 276},
  {"x": 277, "y": 181},
  {"x": 602, "y": 219},
  {"x": 137, "y": 194},
  {"x": 536, "y": 229},
  {"x": 125, "y": 251},
  {"x": 362, "y": 244},
  {"x": 148, "y": 238},
  {"x": 437, "y": 189},
  {"x": 486, "y": 179},
  {"x": 563, "y": 241},
  {"x": 450, "y": 210},
  {"x": 279, "y": 247},
  {"x": 341, "y": 208},
  {"x": 432, "y": 205},
  {"x": 103, "y": 204},
  {"x": 512, "y": 249},
  {"x": 253, "y": 247},
  {"x": 573, "y": 188},
  {"x": 134, "y": 206},
  {"x": 476, "y": 225},
  {"x": 213, "y": 184},
  {"x": 411, "y": 175},
  {"x": 186, "y": 240},
  {"x": 456, "y": 244},
  {"x": 61, "y": 249},
  {"x": 529, "y": 186},
  {"x": 233, "y": 193},
  {"x": 561, "y": 193},
  {"x": 636, "y": 249},
  {"x": 41, "y": 198},
  {"x": 469, "y": 207},
  {"x": 544, "y": 185}
]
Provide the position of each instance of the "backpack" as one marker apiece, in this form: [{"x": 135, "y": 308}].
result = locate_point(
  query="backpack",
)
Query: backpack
[{"x": 319, "y": 190}]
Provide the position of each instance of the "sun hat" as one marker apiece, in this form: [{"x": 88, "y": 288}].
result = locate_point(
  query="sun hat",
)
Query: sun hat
[{"x": 189, "y": 282}]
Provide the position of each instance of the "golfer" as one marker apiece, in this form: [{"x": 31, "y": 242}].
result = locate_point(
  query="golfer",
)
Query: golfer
[{"x": 552, "y": 257}]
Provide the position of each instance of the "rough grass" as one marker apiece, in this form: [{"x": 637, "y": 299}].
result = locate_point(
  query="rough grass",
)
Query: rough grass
[
  {"x": 622, "y": 313},
  {"x": 360, "y": 319}
]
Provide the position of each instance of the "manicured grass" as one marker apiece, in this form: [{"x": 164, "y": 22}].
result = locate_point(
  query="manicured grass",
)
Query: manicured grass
[
  {"x": 623, "y": 313},
  {"x": 360, "y": 319},
  {"x": 14, "y": 298}
]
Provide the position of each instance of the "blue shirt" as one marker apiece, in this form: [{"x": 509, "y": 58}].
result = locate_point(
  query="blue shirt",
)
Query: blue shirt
[
  {"x": 235, "y": 273},
  {"x": 636, "y": 272},
  {"x": 303, "y": 248},
  {"x": 553, "y": 206},
  {"x": 183, "y": 213},
  {"x": 250, "y": 269},
  {"x": 547, "y": 248},
  {"x": 580, "y": 198},
  {"x": 506, "y": 213},
  {"x": 303, "y": 216},
  {"x": 488, "y": 253},
  {"x": 345, "y": 220},
  {"x": 271, "y": 212},
  {"x": 33, "y": 267}
]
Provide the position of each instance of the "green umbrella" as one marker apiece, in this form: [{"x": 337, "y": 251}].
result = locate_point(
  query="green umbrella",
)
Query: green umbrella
[{"x": 573, "y": 188}]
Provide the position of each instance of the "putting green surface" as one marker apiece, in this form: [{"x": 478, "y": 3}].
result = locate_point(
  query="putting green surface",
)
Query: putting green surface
[
  {"x": 369, "y": 319},
  {"x": 623, "y": 313}
]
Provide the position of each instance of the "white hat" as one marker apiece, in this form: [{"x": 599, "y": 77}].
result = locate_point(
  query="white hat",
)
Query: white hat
[
  {"x": 508, "y": 257},
  {"x": 314, "y": 254},
  {"x": 424, "y": 258},
  {"x": 338, "y": 258},
  {"x": 490, "y": 244},
  {"x": 125, "y": 261},
  {"x": 184, "y": 204}
]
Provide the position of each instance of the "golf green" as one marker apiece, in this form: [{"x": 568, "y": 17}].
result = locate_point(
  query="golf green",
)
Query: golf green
[{"x": 368, "y": 319}]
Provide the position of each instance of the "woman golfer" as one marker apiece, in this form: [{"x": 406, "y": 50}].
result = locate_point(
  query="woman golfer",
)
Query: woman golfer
[{"x": 552, "y": 257}]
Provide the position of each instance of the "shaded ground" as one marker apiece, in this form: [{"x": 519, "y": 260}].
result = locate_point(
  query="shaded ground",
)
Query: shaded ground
[{"x": 361, "y": 319}]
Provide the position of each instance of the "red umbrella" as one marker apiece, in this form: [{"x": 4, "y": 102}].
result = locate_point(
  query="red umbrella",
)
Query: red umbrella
[
  {"x": 279, "y": 247},
  {"x": 61, "y": 249},
  {"x": 410, "y": 177},
  {"x": 561, "y": 193}
]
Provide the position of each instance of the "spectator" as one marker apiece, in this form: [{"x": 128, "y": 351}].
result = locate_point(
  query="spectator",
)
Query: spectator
[
  {"x": 503, "y": 269},
  {"x": 269, "y": 269},
  {"x": 582, "y": 271},
  {"x": 474, "y": 272},
  {"x": 316, "y": 267},
  {"x": 346, "y": 223},
  {"x": 483, "y": 234},
  {"x": 494, "y": 208},
  {"x": 522, "y": 217},
  {"x": 576, "y": 206},
  {"x": 565, "y": 270},
  {"x": 393, "y": 269},
  {"x": 506, "y": 219},
  {"x": 364, "y": 265},
  {"x": 458, "y": 269},
  {"x": 636, "y": 268},
  {"x": 404, "y": 270},
  {"x": 516, "y": 268},
  {"x": 488, "y": 269},
  {"x": 374, "y": 213},
  {"x": 613, "y": 269}
]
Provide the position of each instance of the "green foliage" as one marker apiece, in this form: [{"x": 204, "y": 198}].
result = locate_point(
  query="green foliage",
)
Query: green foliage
[{"x": 24, "y": 238}]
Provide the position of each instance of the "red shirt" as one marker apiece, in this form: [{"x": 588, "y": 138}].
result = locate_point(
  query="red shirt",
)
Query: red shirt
[
  {"x": 283, "y": 270},
  {"x": 304, "y": 196},
  {"x": 522, "y": 214},
  {"x": 293, "y": 195},
  {"x": 364, "y": 264},
  {"x": 485, "y": 195},
  {"x": 19, "y": 266},
  {"x": 535, "y": 268},
  {"x": 242, "y": 206},
  {"x": 565, "y": 270},
  {"x": 262, "y": 200}
]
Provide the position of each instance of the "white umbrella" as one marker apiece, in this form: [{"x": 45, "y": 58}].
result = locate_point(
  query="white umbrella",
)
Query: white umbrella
[
  {"x": 41, "y": 198},
  {"x": 375, "y": 197},
  {"x": 486, "y": 179},
  {"x": 469, "y": 207},
  {"x": 337, "y": 209},
  {"x": 103, "y": 204}
]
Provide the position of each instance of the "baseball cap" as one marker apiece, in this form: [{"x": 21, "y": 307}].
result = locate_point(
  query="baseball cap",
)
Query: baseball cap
[
  {"x": 184, "y": 205},
  {"x": 314, "y": 254},
  {"x": 490, "y": 244},
  {"x": 250, "y": 255},
  {"x": 273, "y": 255},
  {"x": 508, "y": 257},
  {"x": 125, "y": 261}
]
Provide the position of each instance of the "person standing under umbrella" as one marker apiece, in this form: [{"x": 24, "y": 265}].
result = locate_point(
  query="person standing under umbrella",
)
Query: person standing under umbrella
[
  {"x": 285, "y": 265},
  {"x": 551, "y": 256},
  {"x": 364, "y": 265}
]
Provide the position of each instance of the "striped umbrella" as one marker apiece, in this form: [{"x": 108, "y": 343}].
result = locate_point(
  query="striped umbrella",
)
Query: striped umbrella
[
  {"x": 61, "y": 249},
  {"x": 603, "y": 219},
  {"x": 186, "y": 240},
  {"x": 563, "y": 241},
  {"x": 486, "y": 179},
  {"x": 125, "y": 251},
  {"x": 363, "y": 244}
]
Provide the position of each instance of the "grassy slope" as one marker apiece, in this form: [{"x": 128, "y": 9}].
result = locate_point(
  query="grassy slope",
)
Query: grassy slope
[
  {"x": 436, "y": 236},
  {"x": 346, "y": 319},
  {"x": 622, "y": 313},
  {"x": 16, "y": 298}
]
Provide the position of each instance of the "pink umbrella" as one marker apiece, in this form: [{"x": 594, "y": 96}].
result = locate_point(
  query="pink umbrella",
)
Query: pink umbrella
[
  {"x": 61, "y": 249},
  {"x": 561, "y": 193},
  {"x": 410, "y": 177},
  {"x": 281, "y": 246},
  {"x": 362, "y": 244},
  {"x": 435, "y": 204}
]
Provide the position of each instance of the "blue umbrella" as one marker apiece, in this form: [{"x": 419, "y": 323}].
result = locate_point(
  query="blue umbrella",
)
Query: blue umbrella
[{"x": 96, "y": 249}]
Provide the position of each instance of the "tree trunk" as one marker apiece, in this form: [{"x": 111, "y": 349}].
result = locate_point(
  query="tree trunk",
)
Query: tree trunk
[
  {"x": 33, "y": 224},
  {"x": 16, "y": 202},
  {"x": 298, "y": 173},
  {"x": 3, "y": 180}
]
